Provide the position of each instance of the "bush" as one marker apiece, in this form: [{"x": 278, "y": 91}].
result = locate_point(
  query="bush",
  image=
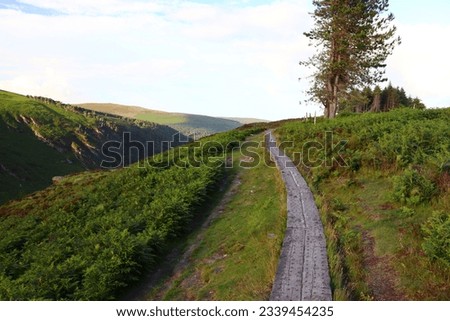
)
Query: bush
[
  {"x": 436, "y": 242},
  {"x": 411, "y": 188}
]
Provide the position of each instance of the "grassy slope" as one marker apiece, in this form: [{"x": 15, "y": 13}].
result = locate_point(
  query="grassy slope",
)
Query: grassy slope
[
  {"x": 246, "y": 120},
  {"x": 375, "y": 210},
  {"x": 40, "y": 139},
  {"x": 187, "y": 124},
  {"x": 94, "y": 233},
  {"x": 28, "y": 163},
  {"x": 238, "y": 254}
]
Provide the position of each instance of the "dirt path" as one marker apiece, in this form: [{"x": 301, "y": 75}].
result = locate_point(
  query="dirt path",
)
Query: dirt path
[
  {"x": 302, "y": 273},
  {"x": 178, "y": 259},
  {"x": 381, "y": 276}
]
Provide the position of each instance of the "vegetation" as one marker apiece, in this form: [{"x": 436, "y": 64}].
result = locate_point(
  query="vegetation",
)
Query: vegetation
[
  {"x": 92, "y": 234},
  {"x": 381, "y": 181},
  {"x": 378, "y": 100},
  {"x": 41, "y": 138},
  {"x": 384, "y": 200},
  {"x": 238, "y": 254},
  {"x": 188, "y": 124},
  {"x": 353, "y": 38}
]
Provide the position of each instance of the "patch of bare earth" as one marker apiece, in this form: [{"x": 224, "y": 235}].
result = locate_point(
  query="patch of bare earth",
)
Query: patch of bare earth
[{"x": 382, "y": 279}]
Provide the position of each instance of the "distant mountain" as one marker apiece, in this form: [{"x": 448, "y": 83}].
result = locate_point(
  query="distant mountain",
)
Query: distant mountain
[
  {"x": 41, "y": 138},
  {"x": 188, "y": 124},
  {"x": 245, "y": 120}
]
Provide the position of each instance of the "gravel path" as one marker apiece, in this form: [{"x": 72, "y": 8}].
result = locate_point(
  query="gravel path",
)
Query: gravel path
[{"x": 302, "y": 273}]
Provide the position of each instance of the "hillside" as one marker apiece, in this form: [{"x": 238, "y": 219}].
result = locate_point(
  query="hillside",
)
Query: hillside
[
  {"x": 382, "y": 184},
  {"x": 41, "y": 138},
  {"x": 93, "y": 234},
  {"x": 380, "y": 180},
  {"x": 187, "y": 124},
  {"x": 246, "y": 121}
]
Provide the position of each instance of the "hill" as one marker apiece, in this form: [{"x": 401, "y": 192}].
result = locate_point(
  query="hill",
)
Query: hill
[
  {"x": 188, "y": 124},
  {"x": 245, "y": 121},
  {"x": 382, "y": 184},
  {"x": 41, "y": 138},
  {"x": 380, "y": 180},
  {"x": 92, "y": 234}
]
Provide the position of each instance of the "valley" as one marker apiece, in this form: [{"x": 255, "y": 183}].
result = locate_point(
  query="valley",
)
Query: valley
[
  {"x": 196, "y": 126},
  {"x": 205, "y": 220}
]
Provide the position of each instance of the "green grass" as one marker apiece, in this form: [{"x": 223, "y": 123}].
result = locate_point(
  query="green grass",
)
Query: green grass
[
  {"x": 38, "y": 138},
  {"x": 163, "y": 118},
  {"x": 371, "y": 210},
  {"x": 93, "y": 234},
  {"x": 29, "y": 163},
  {"x": 374, "y": 211},
  {"x": 238, "y": 254}
]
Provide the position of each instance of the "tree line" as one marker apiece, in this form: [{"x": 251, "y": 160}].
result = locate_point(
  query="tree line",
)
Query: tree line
[{"x": 379, "y": 100}]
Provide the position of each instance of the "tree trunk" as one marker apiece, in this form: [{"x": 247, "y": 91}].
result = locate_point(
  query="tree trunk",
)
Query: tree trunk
[
  {"x": 376, "y": 103},
  {"x": 358, "y": 108},
  {"x": 334, "y": 96}
]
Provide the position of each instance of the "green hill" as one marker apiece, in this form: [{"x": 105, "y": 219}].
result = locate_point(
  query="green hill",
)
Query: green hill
[
  {"x": 380, "y": 180},
  {"x": 382, "y": 184},
  {"x": 92, "y": 234},
  {"x": 246, "y": 120},
  {"x": 188, "y": 124},
  {"x": 41, "y": 138}
]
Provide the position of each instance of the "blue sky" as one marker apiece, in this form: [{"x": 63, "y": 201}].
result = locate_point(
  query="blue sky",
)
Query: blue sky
[{"x": 220, "y": 58}]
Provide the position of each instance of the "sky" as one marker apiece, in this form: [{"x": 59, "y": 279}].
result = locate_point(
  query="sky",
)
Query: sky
[{"x": 236, "y": 58}]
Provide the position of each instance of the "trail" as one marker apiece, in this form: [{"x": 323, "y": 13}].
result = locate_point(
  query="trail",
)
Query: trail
[
  {"x": 302, "y": 273},
  {"x": 177, "y": 260}
]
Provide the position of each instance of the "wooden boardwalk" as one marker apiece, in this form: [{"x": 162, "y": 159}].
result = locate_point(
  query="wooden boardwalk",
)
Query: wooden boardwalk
[{"x": 302, "y": 273}]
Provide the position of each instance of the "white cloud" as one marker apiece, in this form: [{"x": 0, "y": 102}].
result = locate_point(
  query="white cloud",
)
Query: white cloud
[
  {"x": 97, "y": 7},
  {"x": 46, "y": 79},
  {"x": 420, "y": 63},
  {"x": 182, "y": 56},
  {"x": 210, "y": 59}
]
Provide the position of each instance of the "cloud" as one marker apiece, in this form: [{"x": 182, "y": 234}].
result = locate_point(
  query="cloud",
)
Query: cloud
[
  {"x": 180, "y": 56},
  {"x": 222, "y": 59},
  {"x": 48, "y": 78},
  {"x": 420, "y": 65},
  {"x": 96, "y": 8}
]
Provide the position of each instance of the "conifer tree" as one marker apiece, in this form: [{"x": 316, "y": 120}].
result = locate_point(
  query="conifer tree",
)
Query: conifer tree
[{"x": 353, "y": 38}]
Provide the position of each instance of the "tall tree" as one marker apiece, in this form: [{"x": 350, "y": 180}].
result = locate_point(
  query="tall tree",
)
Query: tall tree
[
  {"x": 376, "y": 103},
  {"x": 353, "y": 38}
]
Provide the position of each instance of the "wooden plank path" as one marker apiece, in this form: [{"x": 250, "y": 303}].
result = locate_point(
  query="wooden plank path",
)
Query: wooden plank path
[{"x": 302, "y": 273}]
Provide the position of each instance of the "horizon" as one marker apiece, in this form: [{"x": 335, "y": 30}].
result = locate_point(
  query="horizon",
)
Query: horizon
[{"x": 215, "y": 58}]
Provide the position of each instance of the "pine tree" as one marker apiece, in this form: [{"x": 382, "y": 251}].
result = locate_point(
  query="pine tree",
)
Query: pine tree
[
  {"x": 353, "y": 39},
  {"x": 376, "y": 103}
]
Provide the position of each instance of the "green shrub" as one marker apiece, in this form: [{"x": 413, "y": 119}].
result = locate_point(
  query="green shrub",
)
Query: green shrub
[
  {"x": 411, "y": 188},
  {"x": 406, "y": 212},
  {"x": 436, "y": 242}
]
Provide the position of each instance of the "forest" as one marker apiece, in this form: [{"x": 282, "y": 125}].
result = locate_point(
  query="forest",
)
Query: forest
[{"x": 379, "y": 100}]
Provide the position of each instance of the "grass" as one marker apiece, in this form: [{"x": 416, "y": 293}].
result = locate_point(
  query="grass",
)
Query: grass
[
  {"x": 374, "y": 211},
  {"x": 41, "y": 138},
  {"x": 91, "y": 235},
  {"x": 163, "y": 118},
  {"x": 370, "y": 212},
  {"x": 29, "y": 163},
  {"x": 238, "y": 254}
]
